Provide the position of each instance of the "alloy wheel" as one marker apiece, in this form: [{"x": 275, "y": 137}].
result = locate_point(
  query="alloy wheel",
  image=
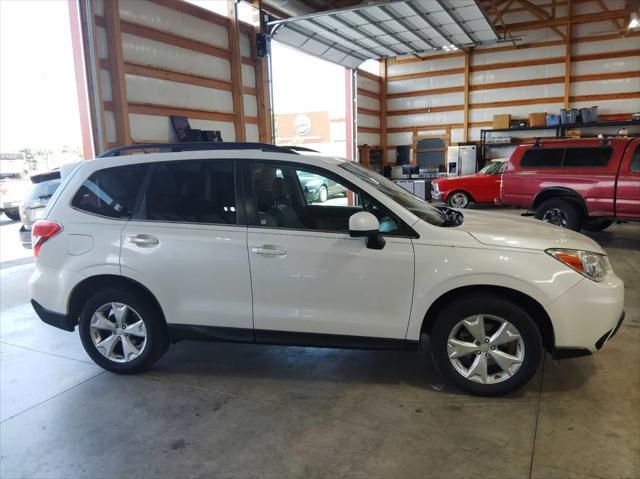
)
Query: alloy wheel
[
  {"x": 556, "y": 216},
  {"x": 459, "y": 200},
  {"x": 118, "y": 332},
  {"x": 485, "y": 349}
]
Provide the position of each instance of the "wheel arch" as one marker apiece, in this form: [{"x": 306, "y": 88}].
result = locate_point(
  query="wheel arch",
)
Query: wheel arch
[
  {"x": 86, "y": 287},
  {"x": 529, "y": 304},
  {"x": 559, "y": 192}
]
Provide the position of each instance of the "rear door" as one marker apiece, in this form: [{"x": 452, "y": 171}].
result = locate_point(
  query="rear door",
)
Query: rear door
[
  {"x": 188, "y": 246},
  {"x": 628, "y": 184}
]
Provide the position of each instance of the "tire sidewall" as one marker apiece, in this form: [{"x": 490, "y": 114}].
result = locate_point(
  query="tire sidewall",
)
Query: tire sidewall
[
  {"x": 574, "y": 218},
  {"x": 451, "y": 315},
  {"x": 157, "y": 339}
]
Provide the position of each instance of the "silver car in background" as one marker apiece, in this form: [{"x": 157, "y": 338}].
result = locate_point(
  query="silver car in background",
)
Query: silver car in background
[{"x": 44, "y": 186}]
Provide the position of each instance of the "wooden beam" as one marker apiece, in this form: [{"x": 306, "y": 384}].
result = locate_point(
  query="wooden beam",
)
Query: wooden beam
[
  {"x": 263, "y": 93},
  {"x": 235, "y": 61},
  {"x": 432, "y": 91},
  {"x": 368, "y": 75},
  {"x": 427, "y": 74},
  {"x": 426, "y": 110},
  {"x": 616, "y": 23},
  {"x": 368, "y": 129},
  {"x": 367, "y": 111},
  {"x": 567, "y": 59},
  {"x": 168, "y": 110},
  {"x": 605, "y": 55},
  {"x": 517, "y": 83},
  {"x": 383, "y": 109},
  {"x": 193, "y": 10},
  {"x": 116, "y": 67},
  {"x": 465, "y": 132},
  {"x": 516, "y": 64},
  {"x": 560, "y": 21},
  {"x": 369, "y": 93}
]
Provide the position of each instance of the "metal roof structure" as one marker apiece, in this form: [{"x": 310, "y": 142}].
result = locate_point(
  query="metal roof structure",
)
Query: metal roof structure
[{"x": 380, "y": 28}]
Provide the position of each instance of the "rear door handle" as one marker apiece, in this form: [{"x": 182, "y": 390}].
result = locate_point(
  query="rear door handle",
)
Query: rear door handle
[
  {"x": 268, "y": 250},
  {"x": 143, "y": 240}
]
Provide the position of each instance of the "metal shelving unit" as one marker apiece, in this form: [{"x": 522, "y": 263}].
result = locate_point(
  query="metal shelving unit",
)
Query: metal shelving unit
[{"x": 558, "y": 132}]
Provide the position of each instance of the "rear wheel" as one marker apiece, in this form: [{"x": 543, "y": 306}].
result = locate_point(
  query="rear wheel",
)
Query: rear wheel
[
  {"x": 596, "y": 224},
  {"x": 486, "y": 347},
  {"x": 458, "y": 199},
  {"x": 122, "y": 332},
  {"x": 560, "y": 212}
]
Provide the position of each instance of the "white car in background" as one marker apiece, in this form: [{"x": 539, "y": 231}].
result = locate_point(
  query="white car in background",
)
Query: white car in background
[
  {"x": 220, "y": 242},
  {"x": 13, "y": 189}
]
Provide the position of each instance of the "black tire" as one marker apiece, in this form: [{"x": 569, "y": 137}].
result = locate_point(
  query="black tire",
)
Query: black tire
[
  {"x": 156, "y": 329},
  {"x": 458, "y": 199},
  {"x": 560, "y": 212},
  {"x": 463, "y": 308},
  {"x": 596, "y": 224},
  {"x": 13, "y": 214}
]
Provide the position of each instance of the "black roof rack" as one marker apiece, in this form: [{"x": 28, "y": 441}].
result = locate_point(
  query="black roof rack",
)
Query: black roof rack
[{"x": 202, "y": 146}]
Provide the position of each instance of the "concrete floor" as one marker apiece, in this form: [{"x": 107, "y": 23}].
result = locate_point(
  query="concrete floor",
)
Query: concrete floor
[{"x": 242, "y": 411}]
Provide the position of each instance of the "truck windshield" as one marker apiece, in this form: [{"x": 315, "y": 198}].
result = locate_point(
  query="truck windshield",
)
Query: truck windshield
[{"x": 417, "y": 206}]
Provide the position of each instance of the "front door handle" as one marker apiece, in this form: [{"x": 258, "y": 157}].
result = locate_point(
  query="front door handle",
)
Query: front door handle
[
  {"x": 268, "y": 250},
  {"x": 143, "y": 240}
]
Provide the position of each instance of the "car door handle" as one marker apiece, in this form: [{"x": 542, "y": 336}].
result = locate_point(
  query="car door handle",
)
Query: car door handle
[
  {"x": 143, "y": 240},
  {"x": 269, "y": 251}
]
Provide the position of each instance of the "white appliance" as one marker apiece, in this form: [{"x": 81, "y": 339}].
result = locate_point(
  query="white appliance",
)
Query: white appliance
[{"x": 461, "y": 160}]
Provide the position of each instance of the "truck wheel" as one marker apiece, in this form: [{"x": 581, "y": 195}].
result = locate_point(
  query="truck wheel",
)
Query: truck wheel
[
  {"x": 485, "y": 346},
  {"x": 595, "y": 224},
  {"x": 13, "y": 214},
  {"x": 560, "y": 212}
]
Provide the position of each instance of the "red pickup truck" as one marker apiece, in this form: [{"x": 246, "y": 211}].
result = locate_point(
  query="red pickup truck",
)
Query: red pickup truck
[{"x": 588, "y": 183}]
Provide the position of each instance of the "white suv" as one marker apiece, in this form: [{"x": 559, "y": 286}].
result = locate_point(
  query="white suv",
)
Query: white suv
[{"x": 223, "y": 242}]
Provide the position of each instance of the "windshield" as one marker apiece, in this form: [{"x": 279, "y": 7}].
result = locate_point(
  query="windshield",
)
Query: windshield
[
  {"x": 417, "y": 206},
  {"x": 493, "y": 168},
  {"x": 43, "y": 190}
]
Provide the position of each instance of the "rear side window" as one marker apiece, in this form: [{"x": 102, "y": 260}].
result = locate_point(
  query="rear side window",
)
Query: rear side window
[
  {"x": 635, "y": 161},
  {"x": 587, "y": 156},
  {"x": 111, "y": 192},
  {"x": 192, "y": 192},
  {"x": 542, "y": 158}
]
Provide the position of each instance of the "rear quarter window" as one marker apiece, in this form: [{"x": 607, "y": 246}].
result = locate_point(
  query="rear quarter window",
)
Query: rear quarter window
[
  {"x": 111, "y": 192},
  {"x": 542, "y": 158},
  {"x": 573, "y": 157},
  {"x": 580, "y": 157}
]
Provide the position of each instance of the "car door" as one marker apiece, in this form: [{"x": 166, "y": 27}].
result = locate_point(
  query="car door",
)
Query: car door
[
  {"x": 308, "y": 275},
  {"x": 628, "y": 184},
  {"x": 187, "y": 245}
]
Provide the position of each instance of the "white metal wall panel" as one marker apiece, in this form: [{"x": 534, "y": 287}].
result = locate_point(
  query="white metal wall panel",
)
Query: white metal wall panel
[
  {"x": 488, "y": 58},
  {"x": 101, "y": 43},
  {"x": 158, "y": 128},
  {"x": 368, "y": 84},
  {"x": 553, "y": 90},
  {"x": 425, "y": 119},
  {"x": 621, "y": 85},
  {"x": 152, "y": 90},
  {"x": 169, "y": 20},
  {"x": 404, "y": 86},
  {"x": 372, "y": 139},
  {"x": 369, "y": 121},
  {"x": 394, "y": 69},
  {"x": 250, "y": 105},
  {"x": 149, "y": 52},
  {"x": 593, "y": 28},
  {"x": 105, "y": 84},
  {"x": 251, "y": 132},
  {"x": 457, "y": 135},
  {"x": 609, "y": 65},
  {"x": 248, "y": 76},
  {"x": 110, "y": 126},
  {"x": 368, "y": 102},
  {"x": 619, "y": 44},
  {"x": 245, "y": 45},
  {"x": 520, "y": 73},
  {"x": 429, "y": 101},
  {"x": 98, "y": 7},
  {"x": 403, "y": 138}
]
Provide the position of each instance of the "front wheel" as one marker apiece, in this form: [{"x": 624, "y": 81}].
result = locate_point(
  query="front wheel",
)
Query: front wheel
[
  {"x": 458, "y": 199},
  {"x": 122, "y": 332},
  {"x": 561, "y": 213},
  {"x": 485, "y": 346}
]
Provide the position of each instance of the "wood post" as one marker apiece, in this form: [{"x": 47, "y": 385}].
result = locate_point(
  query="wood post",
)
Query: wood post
[
  {"x": 116, "y": 70},
  {"x": 465, "y": 135},
  {"x": 235, "y": 61},
  {"x": 383, "y": 110},
  {"x": 567, "y": 61}
]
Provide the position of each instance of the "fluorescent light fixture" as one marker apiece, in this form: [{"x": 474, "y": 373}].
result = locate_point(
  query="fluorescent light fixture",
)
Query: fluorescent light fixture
[
  {"x": 634, "y": 21},
  {"x": 449, "y": 48}
]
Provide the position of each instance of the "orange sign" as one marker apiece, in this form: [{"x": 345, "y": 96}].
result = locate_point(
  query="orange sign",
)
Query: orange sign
[{"x": 310, "y": 127}]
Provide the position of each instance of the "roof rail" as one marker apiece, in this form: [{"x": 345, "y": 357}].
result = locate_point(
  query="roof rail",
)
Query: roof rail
[{"x": 199, "y": 146}]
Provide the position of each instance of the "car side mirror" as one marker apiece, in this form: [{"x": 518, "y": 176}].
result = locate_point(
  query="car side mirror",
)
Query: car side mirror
[{"x": 365, "y": 225}]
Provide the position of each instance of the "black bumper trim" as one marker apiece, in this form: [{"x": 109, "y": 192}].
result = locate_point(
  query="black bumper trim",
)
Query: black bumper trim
[
  {"x": 52, "y": 318},
  {"x": 566, "y": 353}
]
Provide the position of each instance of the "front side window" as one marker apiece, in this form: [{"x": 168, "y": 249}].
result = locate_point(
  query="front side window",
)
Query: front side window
[
  {"x": 296, "y": 198},
  {"x": 111, "y": 192},
  {"x": 493, "y": 168},
  {"x": 635, "y": 160},
  {"x": 192, "y": 192}
]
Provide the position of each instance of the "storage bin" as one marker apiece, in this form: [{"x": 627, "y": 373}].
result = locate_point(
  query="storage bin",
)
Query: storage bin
[
  {"x": 568, "y": 116},
  {"x": 589, "y": 115},
  {"x": 553, "y": 120}
]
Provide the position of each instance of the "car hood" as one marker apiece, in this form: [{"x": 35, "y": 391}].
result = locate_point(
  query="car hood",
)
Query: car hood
[
  {"x": 456, "y": 179},
  {"x": 501, "y": 229}
]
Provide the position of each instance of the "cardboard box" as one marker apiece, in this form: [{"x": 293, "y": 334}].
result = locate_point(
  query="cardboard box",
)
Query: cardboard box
[
  {"x": 501, "y": 121},
  {"x": 537, "y": 119},
  {"x": 572, "y": 133}
]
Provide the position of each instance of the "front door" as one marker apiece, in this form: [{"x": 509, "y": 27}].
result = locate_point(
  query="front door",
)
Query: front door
[
  {"x": 188, "y": 248},
  {"x": 308, "y": 275},
  {"x": 628, "y": 184}
]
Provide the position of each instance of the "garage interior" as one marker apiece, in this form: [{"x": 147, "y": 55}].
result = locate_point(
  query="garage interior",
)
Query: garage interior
[{"x": 486, "y": 74}]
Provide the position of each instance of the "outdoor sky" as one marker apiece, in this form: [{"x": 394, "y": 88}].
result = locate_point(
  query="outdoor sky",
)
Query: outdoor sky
[{"x": 38, "y": 103}]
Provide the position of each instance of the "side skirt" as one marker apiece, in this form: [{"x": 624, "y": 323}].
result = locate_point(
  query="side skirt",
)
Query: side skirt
[{"x": 178, "y": 332}]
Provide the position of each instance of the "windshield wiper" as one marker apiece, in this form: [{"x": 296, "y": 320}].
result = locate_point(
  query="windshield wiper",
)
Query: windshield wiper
[{"x": 45, "y": 197}]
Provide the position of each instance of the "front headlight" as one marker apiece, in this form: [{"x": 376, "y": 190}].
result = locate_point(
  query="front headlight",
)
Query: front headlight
[{"x": 594, "y": 266}]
